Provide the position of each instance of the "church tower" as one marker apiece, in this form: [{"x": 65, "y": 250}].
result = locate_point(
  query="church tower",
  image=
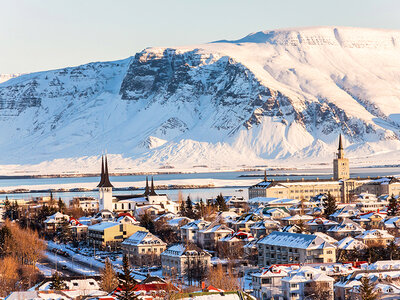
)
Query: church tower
[
  {"x": 341, "y": 164},
  {"x": 105, "y": 187}
]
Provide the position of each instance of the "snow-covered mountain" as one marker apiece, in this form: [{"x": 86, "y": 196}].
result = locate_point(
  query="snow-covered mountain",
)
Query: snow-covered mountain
[
  {"x": 271, "y": 98},
  {"x": 5, "y": 77}
]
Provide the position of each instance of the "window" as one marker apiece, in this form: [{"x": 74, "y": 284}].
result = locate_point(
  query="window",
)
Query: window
[{"x": 293, "y": 285}]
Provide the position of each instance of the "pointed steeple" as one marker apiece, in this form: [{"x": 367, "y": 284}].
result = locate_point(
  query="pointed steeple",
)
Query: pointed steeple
[
  {"x": 265, "y": 175},
  {"x": 340, "y": 142},
  {"x": 152, "y": 191},
  {"x": 107, "y": 182},
  {"x": 102, "y": 173},
  {"x": 340, "y": 153},
  {"x": 146, "y": 191}
]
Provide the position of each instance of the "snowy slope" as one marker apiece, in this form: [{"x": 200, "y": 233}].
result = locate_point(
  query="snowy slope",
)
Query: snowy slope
[
  {"x": 5, "y": 77},
  {"x": 275, "y": 97}
]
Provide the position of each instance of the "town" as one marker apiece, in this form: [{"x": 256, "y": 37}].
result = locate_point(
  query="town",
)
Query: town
[{"x": 293, "y": 239}]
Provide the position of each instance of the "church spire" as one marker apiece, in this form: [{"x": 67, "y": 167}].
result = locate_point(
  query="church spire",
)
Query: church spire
[
  {"x": 340, "y": 153},
  {"x": 106, "y": 182},
  {"x": 265, "y": 175},
  {"x": 340, "y": 142},
  {"x": 146, "y": 191},
  {"x": 102, "y": 173},
  {"x": 152, "y": 191}
]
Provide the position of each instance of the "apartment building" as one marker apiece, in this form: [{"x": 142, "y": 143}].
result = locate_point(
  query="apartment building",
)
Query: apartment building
[
  {"x": 111, "y": 234},
  {"x": 286, "y": 248}
]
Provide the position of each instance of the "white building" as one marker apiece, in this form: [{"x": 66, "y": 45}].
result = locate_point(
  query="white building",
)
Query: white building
[
  {"x": 143, "y": 248},
  {"x": 286, "y": 248},
  {"x": 306, "y": 282},
  {"x": 178, "y": 258},
  {"x": 189, "y": 232}
]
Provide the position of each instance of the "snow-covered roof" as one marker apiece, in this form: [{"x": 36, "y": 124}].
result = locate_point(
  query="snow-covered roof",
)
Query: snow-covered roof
[
  {"x": 321, "y": 221},
  {"x": 196, "y": 225},
  {"x": 217, "y": 228},
  {"x": 237, "y": 237},
  {"x": 307, "y": 274},
  {"x": 298, "y": 218},
  {"x": 347, "y": 225},
  {"x": 295, "y": 240},
  {"x": 175, "y": 222},
  {"x": 178, "y": 250},
  {"x": 350, "y": 243},
  {"x": 103, "y": 225},
  {"x": 143, "y": 238},
  {"x": 373, "y": 234}
]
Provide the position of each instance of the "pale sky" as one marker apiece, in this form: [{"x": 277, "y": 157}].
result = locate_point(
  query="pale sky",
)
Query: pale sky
[{"x": 39, "y": 35}]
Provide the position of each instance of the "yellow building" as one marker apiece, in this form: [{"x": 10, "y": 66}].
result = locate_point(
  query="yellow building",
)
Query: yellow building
[
  {"x": 111, "y": 234},
  {"x": 341, "y": 186}
]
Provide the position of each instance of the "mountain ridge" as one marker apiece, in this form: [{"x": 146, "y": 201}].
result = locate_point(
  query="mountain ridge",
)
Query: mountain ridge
[{"x": 222, "y": 104}]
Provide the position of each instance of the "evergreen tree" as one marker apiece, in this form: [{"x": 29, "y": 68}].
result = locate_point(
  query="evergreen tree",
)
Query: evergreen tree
[
  {"x": 147, "y": 222},
  {"x": 7, "y": 209},
  {"x": 393, "y": 251},
  {"x": 201, "y": 208},
  {"x": 393, "y": 207},
  {"x": 127, "y": 283},
  {"x": 52, "y": 201},
  {"x": 61, "y": 205},
  {"x": 57, "y": 283},
  {"x": 220, "y": 201},
  {"x": 109, "y": 280},
  {"x": 182, "y": 209},
  {"x": 329, "y": 205},
  {"x": 367, "y": 290},
  {"x": 189, "y": 208},
  {"x": 64, "y": 232}
]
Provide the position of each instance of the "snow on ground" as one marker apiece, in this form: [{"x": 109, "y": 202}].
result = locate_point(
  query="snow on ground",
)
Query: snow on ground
[
  {"x": 140, "y": 184},
  {"x": 326, "y": 80},
  {"x": 64, "y": 262},
  {"x": 215, "y": 296},
  {"x": 46, "y": 271}
]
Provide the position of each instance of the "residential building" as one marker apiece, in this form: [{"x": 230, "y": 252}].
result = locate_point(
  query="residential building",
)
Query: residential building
[
  {"x": 264, "y": 228},
  {"x": 267, "y": 284},
  {"x": 375, "y": 237},
  {"x": 307, "y": 282},
  {"x": 87, "y": 204},
  {"x": 286, "y": 247},
  {"x": 245, "y": 221},
  {"x": 346, "y": 228},
  {"x": 189, "y": 231},
  {"x": 177, "y": 259},
  {"x": 209, "y": 237},
  {"x": 320, "y": 225},
  {"x": 54, "y": 221},
  {"x": 143, "y": 248}
]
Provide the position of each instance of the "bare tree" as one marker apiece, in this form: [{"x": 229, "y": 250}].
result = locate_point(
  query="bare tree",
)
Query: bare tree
[
  {"x": 109, "y": 279},
  {"x": 220, "y": 279}
]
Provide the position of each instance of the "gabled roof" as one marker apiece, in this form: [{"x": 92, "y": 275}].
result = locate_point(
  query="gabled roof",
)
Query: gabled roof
[
  {"x": 295, "y": 240},
  {"x": 143, "y": 238}
]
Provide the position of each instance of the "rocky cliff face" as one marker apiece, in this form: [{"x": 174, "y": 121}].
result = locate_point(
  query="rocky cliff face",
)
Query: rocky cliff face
[{"x": 272, "y": 97}]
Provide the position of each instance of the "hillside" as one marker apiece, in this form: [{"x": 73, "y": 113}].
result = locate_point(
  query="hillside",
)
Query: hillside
[{"x": 276, "y": 98}]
